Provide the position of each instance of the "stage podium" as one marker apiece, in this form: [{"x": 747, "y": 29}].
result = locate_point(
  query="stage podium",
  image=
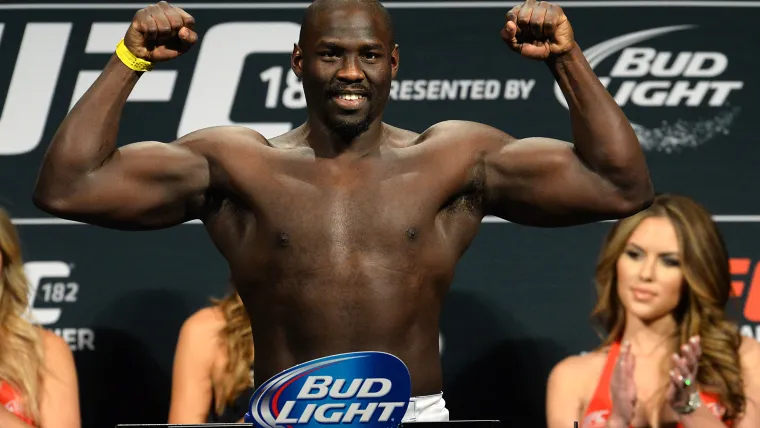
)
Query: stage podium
[
  {"x": 449, "y": 424},
  {"x": 378, "y": 379}
]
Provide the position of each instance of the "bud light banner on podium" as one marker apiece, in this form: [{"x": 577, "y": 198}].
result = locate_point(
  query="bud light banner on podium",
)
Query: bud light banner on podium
[{"x": 358, "y": 389}]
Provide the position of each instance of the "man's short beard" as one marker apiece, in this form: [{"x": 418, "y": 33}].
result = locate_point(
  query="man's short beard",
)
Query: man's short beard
[{"x": 347, "y": 130}]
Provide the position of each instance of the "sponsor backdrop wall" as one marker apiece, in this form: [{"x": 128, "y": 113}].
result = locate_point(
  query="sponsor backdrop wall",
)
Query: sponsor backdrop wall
[{"x": 521, "y": 296}]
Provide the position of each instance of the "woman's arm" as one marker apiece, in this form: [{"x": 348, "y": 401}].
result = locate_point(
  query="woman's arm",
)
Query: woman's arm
[
  {"x": 564, "y": 392},
  {"x": 749, "y": 355},
  {"x": 192, "y": 389},
  {"x": 59, "y": 402}
]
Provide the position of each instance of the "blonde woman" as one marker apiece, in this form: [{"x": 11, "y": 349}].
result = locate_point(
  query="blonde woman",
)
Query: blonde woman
[
  {"x": 670, "y": 358},
  {"x": 212, "y": 378},
  {"x": 38, "y": 379}
]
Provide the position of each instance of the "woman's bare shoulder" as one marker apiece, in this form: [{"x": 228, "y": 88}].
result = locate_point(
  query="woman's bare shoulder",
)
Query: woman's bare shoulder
[
  {"x": 749, "y": 354},
  {"x": 53, "y": 346},
  {"x": 206, "y": 320},
  {"x": 587, "y": 365}
]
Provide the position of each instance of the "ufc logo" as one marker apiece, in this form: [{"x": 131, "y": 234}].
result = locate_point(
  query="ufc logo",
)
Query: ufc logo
[
  {"x": 749, "y": 272},
  {"x": 35, "y": 272},
  {"x": 214, "y": 83}
]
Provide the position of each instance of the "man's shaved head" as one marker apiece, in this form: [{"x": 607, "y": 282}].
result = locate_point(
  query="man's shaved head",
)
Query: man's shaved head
[
  {"x": 346, "y": 58},
  {"x": 320, "y": 6}
]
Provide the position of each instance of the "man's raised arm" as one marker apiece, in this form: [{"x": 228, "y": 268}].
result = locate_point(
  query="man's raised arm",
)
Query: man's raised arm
[
  {"x": 145, "y": 185},
  {"x": 545, "y": 182}
]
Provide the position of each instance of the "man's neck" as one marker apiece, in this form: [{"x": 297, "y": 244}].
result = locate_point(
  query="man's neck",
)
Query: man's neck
[{"x": 327, "y": 143}]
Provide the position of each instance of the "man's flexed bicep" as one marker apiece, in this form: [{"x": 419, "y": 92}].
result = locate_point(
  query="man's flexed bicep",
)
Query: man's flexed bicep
[
  {"x": 544, "y": 182},
  {"x": 85, "y": 177},
  {"x": 146, "y": 185}
]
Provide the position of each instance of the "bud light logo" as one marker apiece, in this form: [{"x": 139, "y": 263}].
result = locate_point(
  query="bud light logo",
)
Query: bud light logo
[{"x": 358, "y": 389}]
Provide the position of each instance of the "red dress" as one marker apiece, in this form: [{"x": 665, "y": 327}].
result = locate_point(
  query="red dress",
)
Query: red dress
[
  {"x": 599, "y": 408},
  {"x": 12, "y": 401}
]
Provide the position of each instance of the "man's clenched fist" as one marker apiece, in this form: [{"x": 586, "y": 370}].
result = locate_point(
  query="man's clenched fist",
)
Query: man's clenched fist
[
  {"x": 160, "y": 32},
  {"x": 538, "y": 30}
]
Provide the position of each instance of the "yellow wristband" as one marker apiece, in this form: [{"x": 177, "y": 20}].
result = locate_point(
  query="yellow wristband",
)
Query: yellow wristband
[{"x": 130, "y": 60}]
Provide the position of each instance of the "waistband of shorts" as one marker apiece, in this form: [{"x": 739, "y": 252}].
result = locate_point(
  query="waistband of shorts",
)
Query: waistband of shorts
[{"x": 422, "y": 397}]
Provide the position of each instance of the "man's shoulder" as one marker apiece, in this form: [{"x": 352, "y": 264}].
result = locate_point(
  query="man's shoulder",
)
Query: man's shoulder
[
  {"x": 215, "y": 136},
  {"x": 462, "y": 131},
  {"x": 462, "y": 126}
]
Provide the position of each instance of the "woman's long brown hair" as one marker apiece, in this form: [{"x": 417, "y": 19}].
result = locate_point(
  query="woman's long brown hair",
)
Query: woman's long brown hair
[
  {"x": 21, "y": 352},
  {"x": 236, "y": 334},
  {"x": 704, "y": 263}
]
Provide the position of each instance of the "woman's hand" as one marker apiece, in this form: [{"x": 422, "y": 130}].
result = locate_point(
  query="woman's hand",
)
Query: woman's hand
[
  {"x": 684, "y": 374},
  {"x": 623, "y": 388}
]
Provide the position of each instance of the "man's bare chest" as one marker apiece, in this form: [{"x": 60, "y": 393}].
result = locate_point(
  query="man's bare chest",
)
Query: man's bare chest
[
  {"x": 379, "y": 203},
  {"x": 359, "y": 207},
  {"x": 342, "y": 188}
]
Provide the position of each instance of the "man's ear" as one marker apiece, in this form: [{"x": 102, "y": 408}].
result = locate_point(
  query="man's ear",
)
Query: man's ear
[
  {"x": 296, "y": 60},
  {"x": 394, "y": 61}
]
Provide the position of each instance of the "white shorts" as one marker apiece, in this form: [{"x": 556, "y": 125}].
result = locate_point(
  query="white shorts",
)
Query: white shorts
[{"x": 427, "y": 408}]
